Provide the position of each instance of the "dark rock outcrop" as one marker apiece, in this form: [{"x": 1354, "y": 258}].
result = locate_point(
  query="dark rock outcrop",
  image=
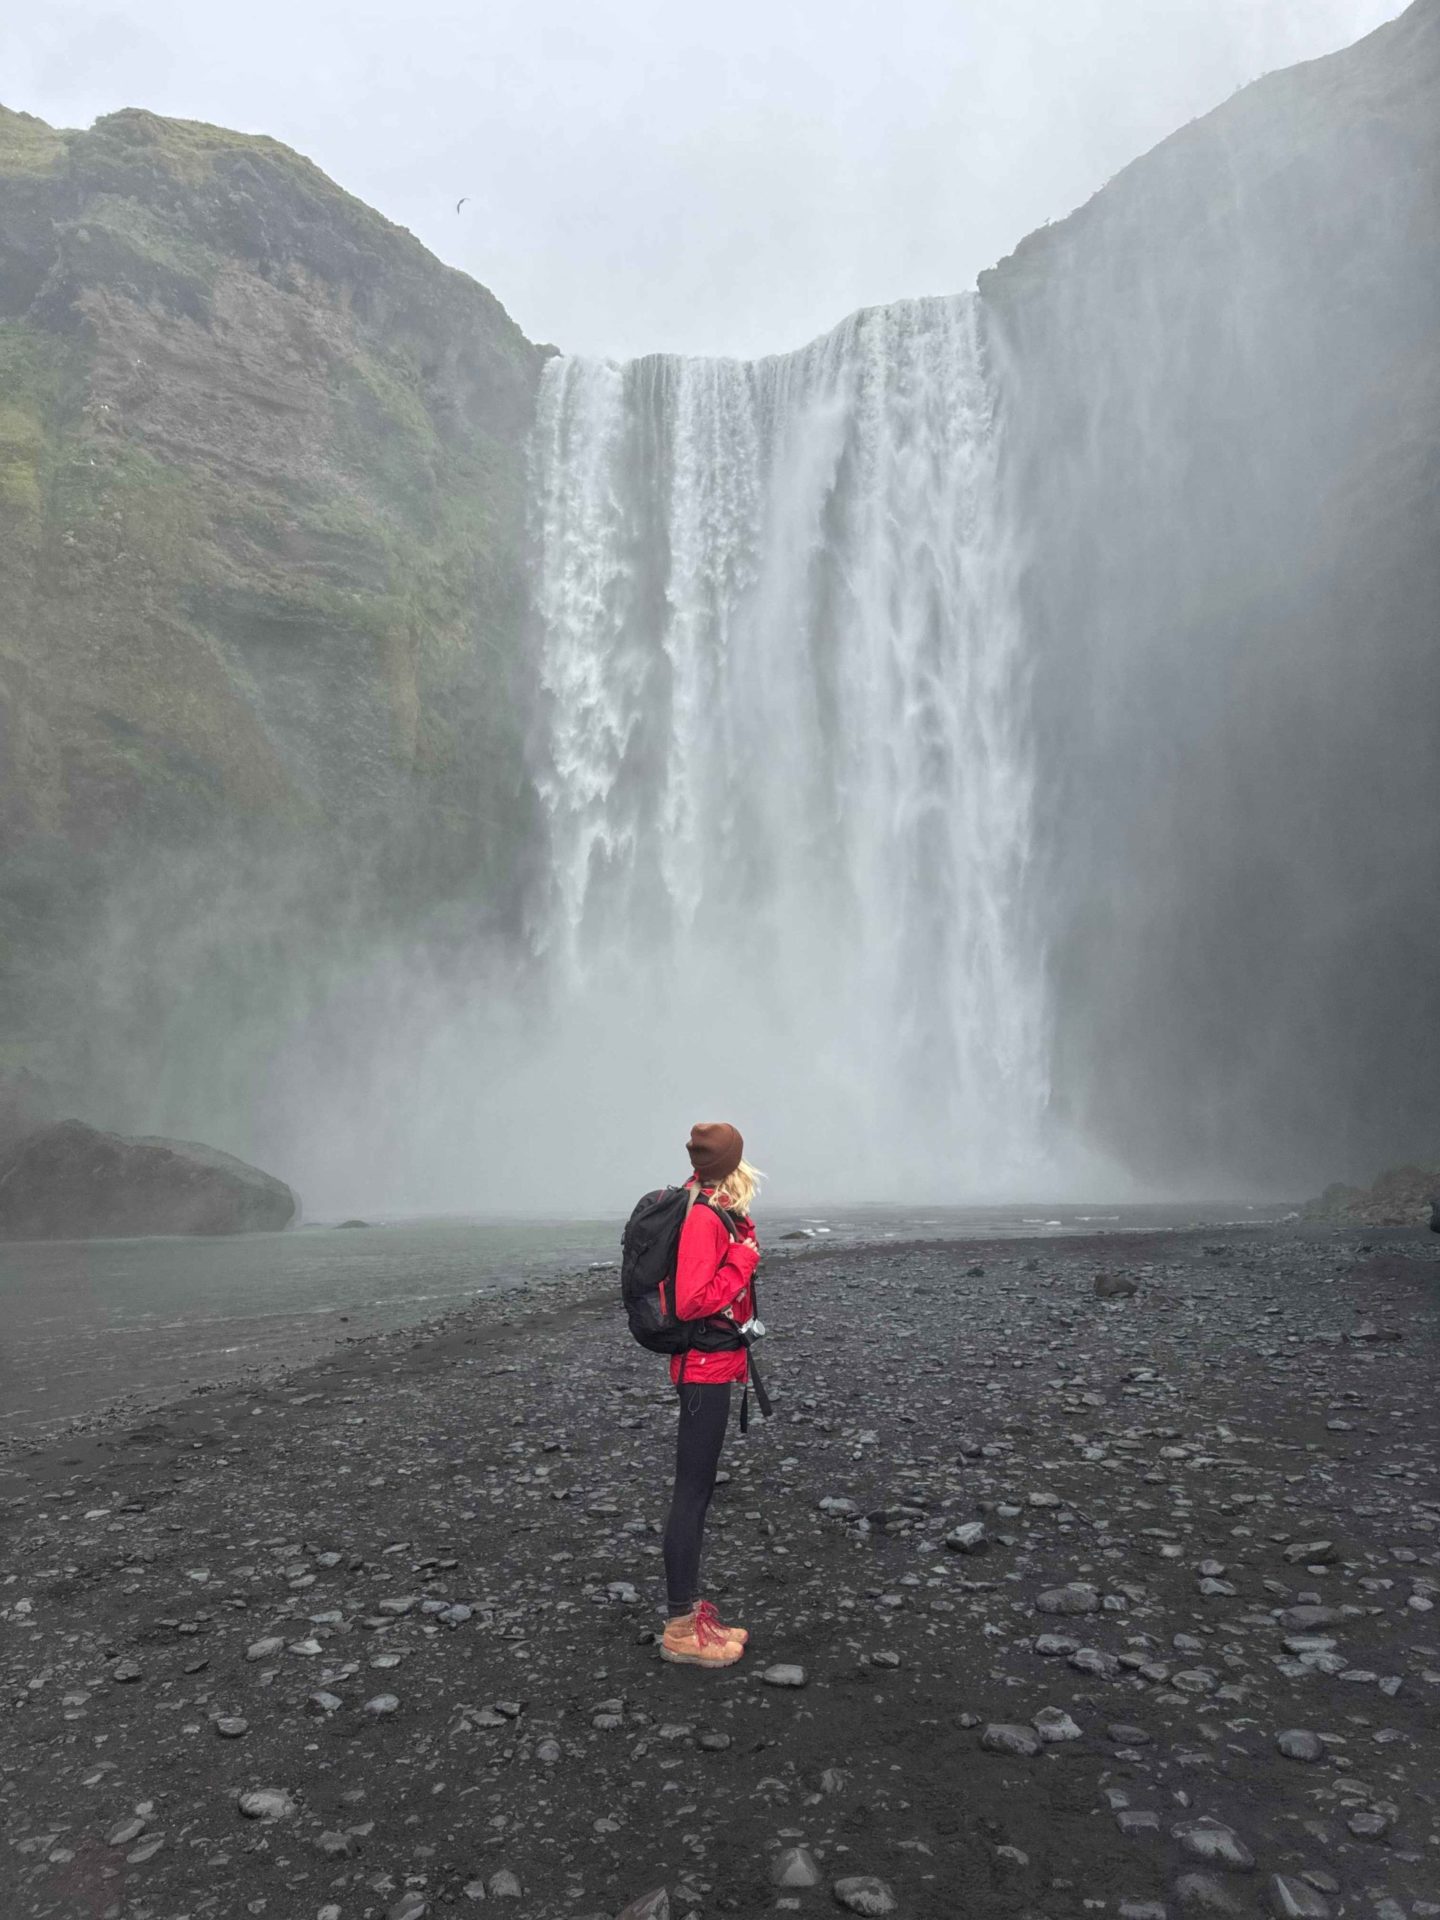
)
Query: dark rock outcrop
[
  {"x": 1400, "y": 1197},
  {"x": 72, "y": 1182},
  {"x": 1224, "y": 407}
]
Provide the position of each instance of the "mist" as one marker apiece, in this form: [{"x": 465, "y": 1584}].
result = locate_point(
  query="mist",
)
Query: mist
[{"x": 980, "y": 746}]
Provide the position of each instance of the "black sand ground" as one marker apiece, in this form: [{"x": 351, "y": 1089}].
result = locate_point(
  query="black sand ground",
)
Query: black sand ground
[{"x": 411, "y": 1592}]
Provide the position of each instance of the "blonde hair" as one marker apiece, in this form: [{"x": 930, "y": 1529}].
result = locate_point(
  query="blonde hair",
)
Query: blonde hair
[{"x": 737, "y": 1190}]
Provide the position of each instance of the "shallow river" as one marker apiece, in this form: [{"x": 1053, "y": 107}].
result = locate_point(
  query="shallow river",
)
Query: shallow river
[{"x": 84, "y": 1323}]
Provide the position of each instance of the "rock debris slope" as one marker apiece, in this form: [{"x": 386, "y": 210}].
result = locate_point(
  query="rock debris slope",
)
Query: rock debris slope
[{"x": 1118, "y": 1607}]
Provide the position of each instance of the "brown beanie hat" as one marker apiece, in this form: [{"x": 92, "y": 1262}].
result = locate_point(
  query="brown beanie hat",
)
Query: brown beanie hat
[{"x": 715, "y": 1150}]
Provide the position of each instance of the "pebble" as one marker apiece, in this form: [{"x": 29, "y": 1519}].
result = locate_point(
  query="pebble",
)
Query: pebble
[
  {"x": 1298, "y": 1743},
  {"x": 232, "y": 1727},
  {"x": 410, "y": 1906},
  {"x": 382, "y": 1705},
  {"x": 862, "y": 1893},
  {"x": 967, "y": 1538},
  {"x": 504, "y": 1885},
  {"x": 784, "y": 1676}
]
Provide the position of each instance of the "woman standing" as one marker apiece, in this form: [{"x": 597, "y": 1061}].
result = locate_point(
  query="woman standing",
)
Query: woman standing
[{"x": 713, "y": 1271}]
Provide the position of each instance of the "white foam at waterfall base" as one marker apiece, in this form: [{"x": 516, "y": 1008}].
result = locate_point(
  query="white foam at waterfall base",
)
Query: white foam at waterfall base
[{"x": 785, "y": 766}]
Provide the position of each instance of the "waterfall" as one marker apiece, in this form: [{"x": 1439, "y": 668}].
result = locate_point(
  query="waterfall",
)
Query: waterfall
[{"x": 783, "y": 752}]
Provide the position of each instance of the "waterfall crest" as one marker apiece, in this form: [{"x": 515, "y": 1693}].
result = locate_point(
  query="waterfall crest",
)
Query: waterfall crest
[{"x": 783, "y": 753}]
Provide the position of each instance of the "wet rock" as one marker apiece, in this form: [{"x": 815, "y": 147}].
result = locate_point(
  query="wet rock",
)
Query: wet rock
[
  {"x": 1291, "y": 1899},
  {"x": 795, "y": 1867},
  {"x": 1307, "y": 1616},
  {"x": 73, "y": 1182},
  {"x": 862, "y": 1893},
  {"x": 266, "y": 1803},
  {"x": 1215, "y": 1843},
  {"x": 1054, "y": 1725},
  {"x": 999, "y": 1737},
  {"x": 1075, "y": 1598},
  {"x": 1115, "y": 1286},
  {"x": 650, "y": 1906},
  {"x": 1204, "y": 1893}
]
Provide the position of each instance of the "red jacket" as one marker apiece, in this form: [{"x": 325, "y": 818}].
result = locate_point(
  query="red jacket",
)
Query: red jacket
[{"x": 712, "y": 1272}]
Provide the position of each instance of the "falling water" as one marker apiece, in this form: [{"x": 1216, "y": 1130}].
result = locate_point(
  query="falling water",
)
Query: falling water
[{"x": 784, "y": 756}]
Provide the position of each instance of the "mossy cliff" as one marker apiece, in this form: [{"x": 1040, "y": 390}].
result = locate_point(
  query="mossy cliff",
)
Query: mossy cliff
[{"x": 261, "y": 520}]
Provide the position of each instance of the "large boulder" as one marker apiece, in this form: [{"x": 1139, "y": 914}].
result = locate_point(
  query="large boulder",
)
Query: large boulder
[{"x": 72, "y": 1182}]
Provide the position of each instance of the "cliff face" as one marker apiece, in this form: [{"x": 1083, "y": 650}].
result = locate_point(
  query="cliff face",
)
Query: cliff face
[
  {"x": 263, "y": 695},
  {"x": 1223, "y": 381},
  {"x": 261, "y": 519}
]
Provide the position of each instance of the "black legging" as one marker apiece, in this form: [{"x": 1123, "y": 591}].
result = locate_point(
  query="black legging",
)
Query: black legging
[{"x": 704, "y": 1416}]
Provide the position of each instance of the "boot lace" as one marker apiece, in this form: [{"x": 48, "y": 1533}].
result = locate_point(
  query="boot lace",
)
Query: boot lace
[{"x": 707, "y": 1624}]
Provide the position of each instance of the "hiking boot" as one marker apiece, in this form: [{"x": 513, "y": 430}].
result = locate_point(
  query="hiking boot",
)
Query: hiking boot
[
  {"x": 698, "y": 1640},
  {"x": 707, "y": 1609}
]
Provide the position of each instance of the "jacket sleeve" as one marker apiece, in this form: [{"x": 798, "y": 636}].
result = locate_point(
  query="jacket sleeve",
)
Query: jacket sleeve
[{"x": 711, "y": 1269}]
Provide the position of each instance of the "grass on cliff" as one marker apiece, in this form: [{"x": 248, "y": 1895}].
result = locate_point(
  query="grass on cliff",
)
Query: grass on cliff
[
  {"x": 38, "y": 377},
  {"x": 28, "y": 145}
]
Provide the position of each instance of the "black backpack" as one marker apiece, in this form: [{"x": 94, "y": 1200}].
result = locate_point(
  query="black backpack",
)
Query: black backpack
[{"x": 647, "y": 1276}]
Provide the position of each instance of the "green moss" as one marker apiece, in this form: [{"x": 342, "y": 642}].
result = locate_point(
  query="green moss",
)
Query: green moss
[
  {"x": 28, "y": 145},
  {"x": 22, "y": 449},
  {"x": 188, "y": 150},
  {"x": 38, "y": 382},
  {"x": 135, "y": 519},
  {"x": 125, "y": 233}
]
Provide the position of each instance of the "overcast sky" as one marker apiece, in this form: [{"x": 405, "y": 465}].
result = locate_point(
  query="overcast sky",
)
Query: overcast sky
[{"x": 645, "y": 174}]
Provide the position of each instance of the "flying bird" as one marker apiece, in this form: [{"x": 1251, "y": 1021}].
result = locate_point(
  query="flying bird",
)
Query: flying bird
[{"x": 461, "y": 201}]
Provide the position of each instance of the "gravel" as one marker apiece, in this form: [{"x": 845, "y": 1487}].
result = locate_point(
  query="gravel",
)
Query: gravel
[{"x": 377, "y": 1638}]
